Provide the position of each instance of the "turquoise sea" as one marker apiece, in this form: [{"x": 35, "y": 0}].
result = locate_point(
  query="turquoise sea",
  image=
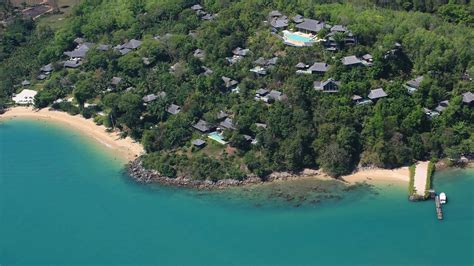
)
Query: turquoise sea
[{"x": 64, "y": 200}]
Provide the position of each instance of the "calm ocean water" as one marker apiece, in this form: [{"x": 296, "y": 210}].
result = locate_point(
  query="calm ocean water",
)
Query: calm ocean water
[{"x": 64, "y": 201}]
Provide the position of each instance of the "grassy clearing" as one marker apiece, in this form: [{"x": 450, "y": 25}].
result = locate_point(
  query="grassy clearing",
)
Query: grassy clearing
[{"x": 55, "y": 21}]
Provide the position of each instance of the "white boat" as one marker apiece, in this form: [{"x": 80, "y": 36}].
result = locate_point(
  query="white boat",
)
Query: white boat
[{"x": 442, "y": 198}]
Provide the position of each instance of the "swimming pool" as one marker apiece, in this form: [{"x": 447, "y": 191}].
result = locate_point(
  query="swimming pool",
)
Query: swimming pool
[
  {"x": 217, "y": 137},
  {"x": 297, "y": 38}
]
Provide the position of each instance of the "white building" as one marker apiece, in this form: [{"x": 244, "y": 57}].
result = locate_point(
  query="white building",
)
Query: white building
[{"x": 25, "y": 97}]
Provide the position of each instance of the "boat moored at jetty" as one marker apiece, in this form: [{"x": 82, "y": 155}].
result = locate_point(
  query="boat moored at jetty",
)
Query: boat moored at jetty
[{"x": 442, "y": 198}]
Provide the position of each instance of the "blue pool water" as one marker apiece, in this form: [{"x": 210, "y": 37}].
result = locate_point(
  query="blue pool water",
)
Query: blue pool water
[
  {"x": 298, "y": 38},
  {"x": 217, "y": 137}
]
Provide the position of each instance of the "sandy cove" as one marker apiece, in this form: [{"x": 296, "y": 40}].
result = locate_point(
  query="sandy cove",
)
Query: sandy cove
[{"x": 127, "y": 148}]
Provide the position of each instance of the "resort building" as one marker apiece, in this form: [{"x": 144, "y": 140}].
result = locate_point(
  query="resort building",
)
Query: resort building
[
  {"x": 351, "y": 61},
  {"x": 173, "y": 109},
  {"x": 272, "y": 61},
  {"x": 259, "y": 70},
  {"x": 240, "y": 51},
  {"x": 358, "y": 100},
  {"x": 260, "y": 61},
  {"x": 301, "y": 66},
  {"x": 116, "y": 81},
  {"x": 376, "y": 94},
  {"x": 25, "y": 97},
  {"x": 431, "y": 114},
  {"x": 414, "y": 84},
  {"x": 222, "y": 115},
  {"x": 442, "y": 106},
  {"x": 127, "y": 47},
  {"x": 199, "y": 53},
  {"x": 207, "y": 71},
  {"x": 132, "y": 44},
  {"x": 238, "y": 54},
  {"x": 198, "y": 143},
  {"x": 79, "y": 40},
  {"x": 319, "y": 67},
  {"x": 72, "y": 63},
  {"x": 330, "y": 42},
  {"x": 80, "y": 51},
  {"x": 367, "y": 60},
  {"x": 260, "y": 93},
  {"x": 47, "y": 69},
  {"x": 175, "y": 67},
  {"x": 203, "y": 126},
  {"x": 229, "y": 83},
  {"x": 261, "y": 125},
  {"x": 329, "y": 85},
  {"x": 25, "y": 83},
  {"x": 274, "y": 96},
  {"x": 468, "y": 98},
  {"x": 297, "y": 19},
  {"x": 310, "y": 26},
  {"x": 208, "y": 16},
  {"x": 228, "y": 123},
  {"x": 279, "y": 23},
  {"x": 124, "y": 51},
  {"x": 196, "y": 7},
  {"x": 149, "y": 98}
]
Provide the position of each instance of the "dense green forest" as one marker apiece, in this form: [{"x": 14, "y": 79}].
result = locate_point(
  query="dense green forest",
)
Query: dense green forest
[{"x": 309, "y": 129}]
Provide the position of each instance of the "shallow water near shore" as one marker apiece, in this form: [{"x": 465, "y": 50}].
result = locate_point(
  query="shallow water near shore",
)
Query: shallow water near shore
[{"x": 65, "y": 200}]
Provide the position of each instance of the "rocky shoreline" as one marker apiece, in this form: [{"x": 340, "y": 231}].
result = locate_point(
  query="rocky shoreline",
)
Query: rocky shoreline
[{"x": 138, "y": 173}]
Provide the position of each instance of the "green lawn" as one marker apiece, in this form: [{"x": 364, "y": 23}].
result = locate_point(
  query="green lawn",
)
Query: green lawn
[{"x": 56, "y": 20}]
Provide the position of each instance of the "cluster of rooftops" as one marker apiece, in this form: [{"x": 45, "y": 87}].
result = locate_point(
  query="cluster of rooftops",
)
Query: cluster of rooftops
[
  {"x": 79, "y": 53},
  {"x": 261, "y": 66},
  {"x": 202, "y": 13},
  {"x": 224, "y": 122},
  {"x": 278, "y": 22}
]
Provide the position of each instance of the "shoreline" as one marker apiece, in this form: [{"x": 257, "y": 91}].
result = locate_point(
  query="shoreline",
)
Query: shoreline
[
  {"x": 127, "y": 148},
  {"x": 131, "y": 152},
  {"x": 372, "y": 176}
]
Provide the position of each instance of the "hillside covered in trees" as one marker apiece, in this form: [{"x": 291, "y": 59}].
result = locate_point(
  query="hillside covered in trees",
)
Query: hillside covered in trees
[{"x": 218, "y": 89}]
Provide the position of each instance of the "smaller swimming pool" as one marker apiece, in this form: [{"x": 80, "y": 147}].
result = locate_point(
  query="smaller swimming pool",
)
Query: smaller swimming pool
[{"x": 217, "y": 137}]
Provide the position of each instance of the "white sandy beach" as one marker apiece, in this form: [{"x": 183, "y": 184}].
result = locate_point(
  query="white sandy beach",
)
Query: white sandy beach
[
  {"x": 125, "y": 148},
  {"x": 376, "y": 175}
]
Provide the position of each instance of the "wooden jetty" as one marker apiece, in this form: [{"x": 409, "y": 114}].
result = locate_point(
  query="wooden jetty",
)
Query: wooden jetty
[{"x": 439, "y": 210}]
